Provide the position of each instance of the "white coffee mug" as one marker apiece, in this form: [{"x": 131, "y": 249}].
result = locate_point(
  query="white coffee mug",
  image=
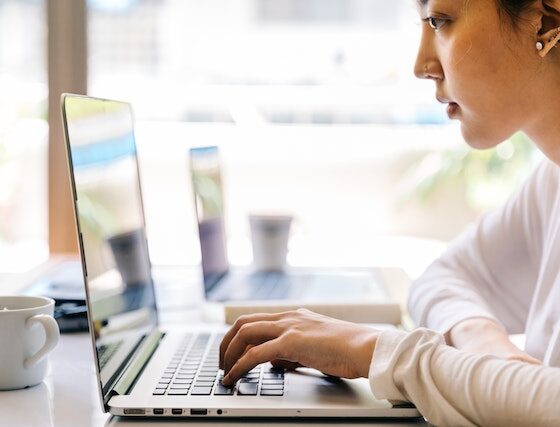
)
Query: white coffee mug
[
  {"x": 269, "y": 236},
  {"x": 28, "y": 332}
]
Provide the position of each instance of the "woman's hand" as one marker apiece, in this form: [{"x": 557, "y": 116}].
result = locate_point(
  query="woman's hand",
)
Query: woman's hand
[
  {"x": 486, "y": 336},
  {"x": 297, "y": 338}
]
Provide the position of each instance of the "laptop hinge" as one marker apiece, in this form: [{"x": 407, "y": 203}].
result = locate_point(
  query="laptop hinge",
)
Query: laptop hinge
[{"x": 136, "y": 365}]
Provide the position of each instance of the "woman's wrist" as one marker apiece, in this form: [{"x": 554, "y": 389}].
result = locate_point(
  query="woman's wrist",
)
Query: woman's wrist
[{"x": 362, "y": 353}]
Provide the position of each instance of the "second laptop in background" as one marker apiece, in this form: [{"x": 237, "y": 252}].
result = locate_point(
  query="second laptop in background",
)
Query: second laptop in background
[{"x": 224, "y": 283}]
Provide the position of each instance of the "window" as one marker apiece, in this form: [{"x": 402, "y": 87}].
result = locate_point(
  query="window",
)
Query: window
[
  {"x": 313, "y": 104},
  {"x": 23, "y": 134}
]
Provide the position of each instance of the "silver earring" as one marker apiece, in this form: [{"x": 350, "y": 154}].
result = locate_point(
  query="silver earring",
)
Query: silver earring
[{"x": 539, "y": 46}]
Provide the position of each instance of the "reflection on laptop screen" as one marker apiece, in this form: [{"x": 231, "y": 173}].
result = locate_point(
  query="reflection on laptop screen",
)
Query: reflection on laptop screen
[
  {"x": 109, "y": 207},
  {"x": 208, "y": 194}
]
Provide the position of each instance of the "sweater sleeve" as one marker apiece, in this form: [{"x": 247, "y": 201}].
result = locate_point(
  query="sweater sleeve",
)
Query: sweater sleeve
[
  {"x": 450, "y": 387},
  {"x": 492, "y": 269}
]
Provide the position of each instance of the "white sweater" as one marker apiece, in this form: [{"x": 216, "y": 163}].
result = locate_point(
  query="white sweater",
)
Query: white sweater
[{"x": 506, "y": 268}]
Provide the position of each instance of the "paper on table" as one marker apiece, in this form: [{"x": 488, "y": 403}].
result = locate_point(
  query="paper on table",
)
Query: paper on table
[{"x": 358, "y": 312}]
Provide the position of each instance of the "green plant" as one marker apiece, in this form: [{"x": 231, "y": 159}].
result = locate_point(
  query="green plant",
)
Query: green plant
[
  {"x": 95, "y": 216},
  {"x": 484, "y": 177}
]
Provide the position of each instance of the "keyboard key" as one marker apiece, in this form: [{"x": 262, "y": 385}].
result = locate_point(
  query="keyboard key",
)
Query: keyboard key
[
  {"x": 159, "y": 392},
  {"x": 272, "y": 387},
  {"x": 178, "y": 392},
  {"x": 180, "y": 386},
  {"x": 188, "y": 371},
  {"x": 207, "y": 375},
  {"x": 255, "y": 375},
  {"x": 247, "y": 389},
  {"x": 269, "y": 381},
  {"x": 273, "y": 375},
  {"x": 164, "y": 381},
  {"x": 204, "y": 383},
  {"x": 249, "y": 380},
  {"x": 182, "y": 382},
  {"x": 201, "y": 391},
  {"x": 272, "y": 392},
  {"x": 223, "y": 390},
  {"x": 185, "y": 377}
]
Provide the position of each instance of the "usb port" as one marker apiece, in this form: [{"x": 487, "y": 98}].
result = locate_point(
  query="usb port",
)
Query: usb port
[
  {"x": 199, "y": 411},
  {"x": 158, "y": 411},
  {"x": 176, "y": 411},
  {"x": 134, "y": 411}
]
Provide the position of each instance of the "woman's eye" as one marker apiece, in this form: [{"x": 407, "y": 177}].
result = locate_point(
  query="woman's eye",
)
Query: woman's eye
[{"x": 436, "y": 23}]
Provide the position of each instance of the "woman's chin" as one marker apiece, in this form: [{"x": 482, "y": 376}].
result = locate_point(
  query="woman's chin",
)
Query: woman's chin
[{"x": 479, "y": 140}]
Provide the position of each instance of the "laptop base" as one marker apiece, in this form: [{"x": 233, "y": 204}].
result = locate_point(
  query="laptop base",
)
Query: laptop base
[{"x": 307, "y": 394}]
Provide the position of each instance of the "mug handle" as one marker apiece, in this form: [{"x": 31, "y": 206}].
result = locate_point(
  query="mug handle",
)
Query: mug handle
[{"x": 52, "y": 335}]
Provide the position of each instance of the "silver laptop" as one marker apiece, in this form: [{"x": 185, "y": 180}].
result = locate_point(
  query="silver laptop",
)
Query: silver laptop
[
  {"x": 224, "y": 283},
  {"x": 142, "y": 369}
]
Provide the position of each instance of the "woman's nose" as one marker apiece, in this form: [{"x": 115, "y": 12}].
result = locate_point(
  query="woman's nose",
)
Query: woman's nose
[
  {"x": 430, "y": 70},
  {"x": 427, "y": 64}
]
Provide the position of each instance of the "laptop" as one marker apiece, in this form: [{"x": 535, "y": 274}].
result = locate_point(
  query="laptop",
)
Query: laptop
[
  {"x": 224, "y": 283},
  {"x": 144, "y": 370}
]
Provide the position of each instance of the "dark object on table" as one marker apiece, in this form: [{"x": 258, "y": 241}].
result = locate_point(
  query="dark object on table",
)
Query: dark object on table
[
  {"x": 71, "y": 316},
  {"x": 64, "y": 284}
]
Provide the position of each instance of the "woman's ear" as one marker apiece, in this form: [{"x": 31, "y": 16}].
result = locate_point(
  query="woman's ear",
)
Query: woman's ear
[{"x": 548, "y": 26}]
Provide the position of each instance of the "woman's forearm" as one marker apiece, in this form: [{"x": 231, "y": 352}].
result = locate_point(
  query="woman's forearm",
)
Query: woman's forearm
[{"x": 451, "y": 387}]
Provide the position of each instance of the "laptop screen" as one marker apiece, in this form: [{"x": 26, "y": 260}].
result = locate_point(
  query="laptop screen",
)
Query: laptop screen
[
  {"x": 104, "y": 172},
  {"x": 209, "y": 203}
]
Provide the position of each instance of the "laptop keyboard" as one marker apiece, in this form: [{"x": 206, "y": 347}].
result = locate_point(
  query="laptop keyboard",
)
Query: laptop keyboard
[
  {"x": 105, "y": 352},
  {"x": 270, "y": 285},
  {"x": 194, "y": 371}
]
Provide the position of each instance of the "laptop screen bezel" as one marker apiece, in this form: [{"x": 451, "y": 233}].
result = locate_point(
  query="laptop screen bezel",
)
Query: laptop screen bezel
[{"x": 104, "y": 392}]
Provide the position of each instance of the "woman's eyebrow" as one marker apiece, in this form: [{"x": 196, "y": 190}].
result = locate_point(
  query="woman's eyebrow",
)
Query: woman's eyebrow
[{"x": 422, "y": 3}]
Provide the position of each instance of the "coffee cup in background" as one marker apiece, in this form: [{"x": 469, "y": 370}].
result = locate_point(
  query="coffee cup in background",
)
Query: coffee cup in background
[
  {"x": 130, "y": 251},
  {"x": 269, "y": 236},
  {"x": 28, "y": 332}
]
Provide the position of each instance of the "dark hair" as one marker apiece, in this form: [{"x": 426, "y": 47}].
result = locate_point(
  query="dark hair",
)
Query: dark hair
[{"x": 514, "y": 9}]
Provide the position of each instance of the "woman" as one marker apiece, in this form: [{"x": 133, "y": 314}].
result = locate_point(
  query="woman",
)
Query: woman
[{"x": 494, "y": 64}]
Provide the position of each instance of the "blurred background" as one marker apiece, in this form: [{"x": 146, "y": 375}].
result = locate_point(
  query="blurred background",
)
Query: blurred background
[{"x": 313, "y": 104}]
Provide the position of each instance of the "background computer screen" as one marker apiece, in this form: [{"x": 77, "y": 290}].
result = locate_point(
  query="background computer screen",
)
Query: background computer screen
[{"x": 209, "y": 202}]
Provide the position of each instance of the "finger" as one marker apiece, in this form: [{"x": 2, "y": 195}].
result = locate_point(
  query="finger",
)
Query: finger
[
  {"x": 269, "y": 350},
  {"x": 287, "y": 365},
  {"x": 250, "y": 334},
  {"x": 242, "y": 320}
]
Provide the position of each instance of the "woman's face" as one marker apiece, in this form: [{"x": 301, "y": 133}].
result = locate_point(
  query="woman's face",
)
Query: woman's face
[{"x": 483, "y": 68}]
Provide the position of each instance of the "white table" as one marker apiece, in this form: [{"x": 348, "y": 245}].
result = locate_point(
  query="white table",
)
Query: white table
[{"x": 68, "y": 397}]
